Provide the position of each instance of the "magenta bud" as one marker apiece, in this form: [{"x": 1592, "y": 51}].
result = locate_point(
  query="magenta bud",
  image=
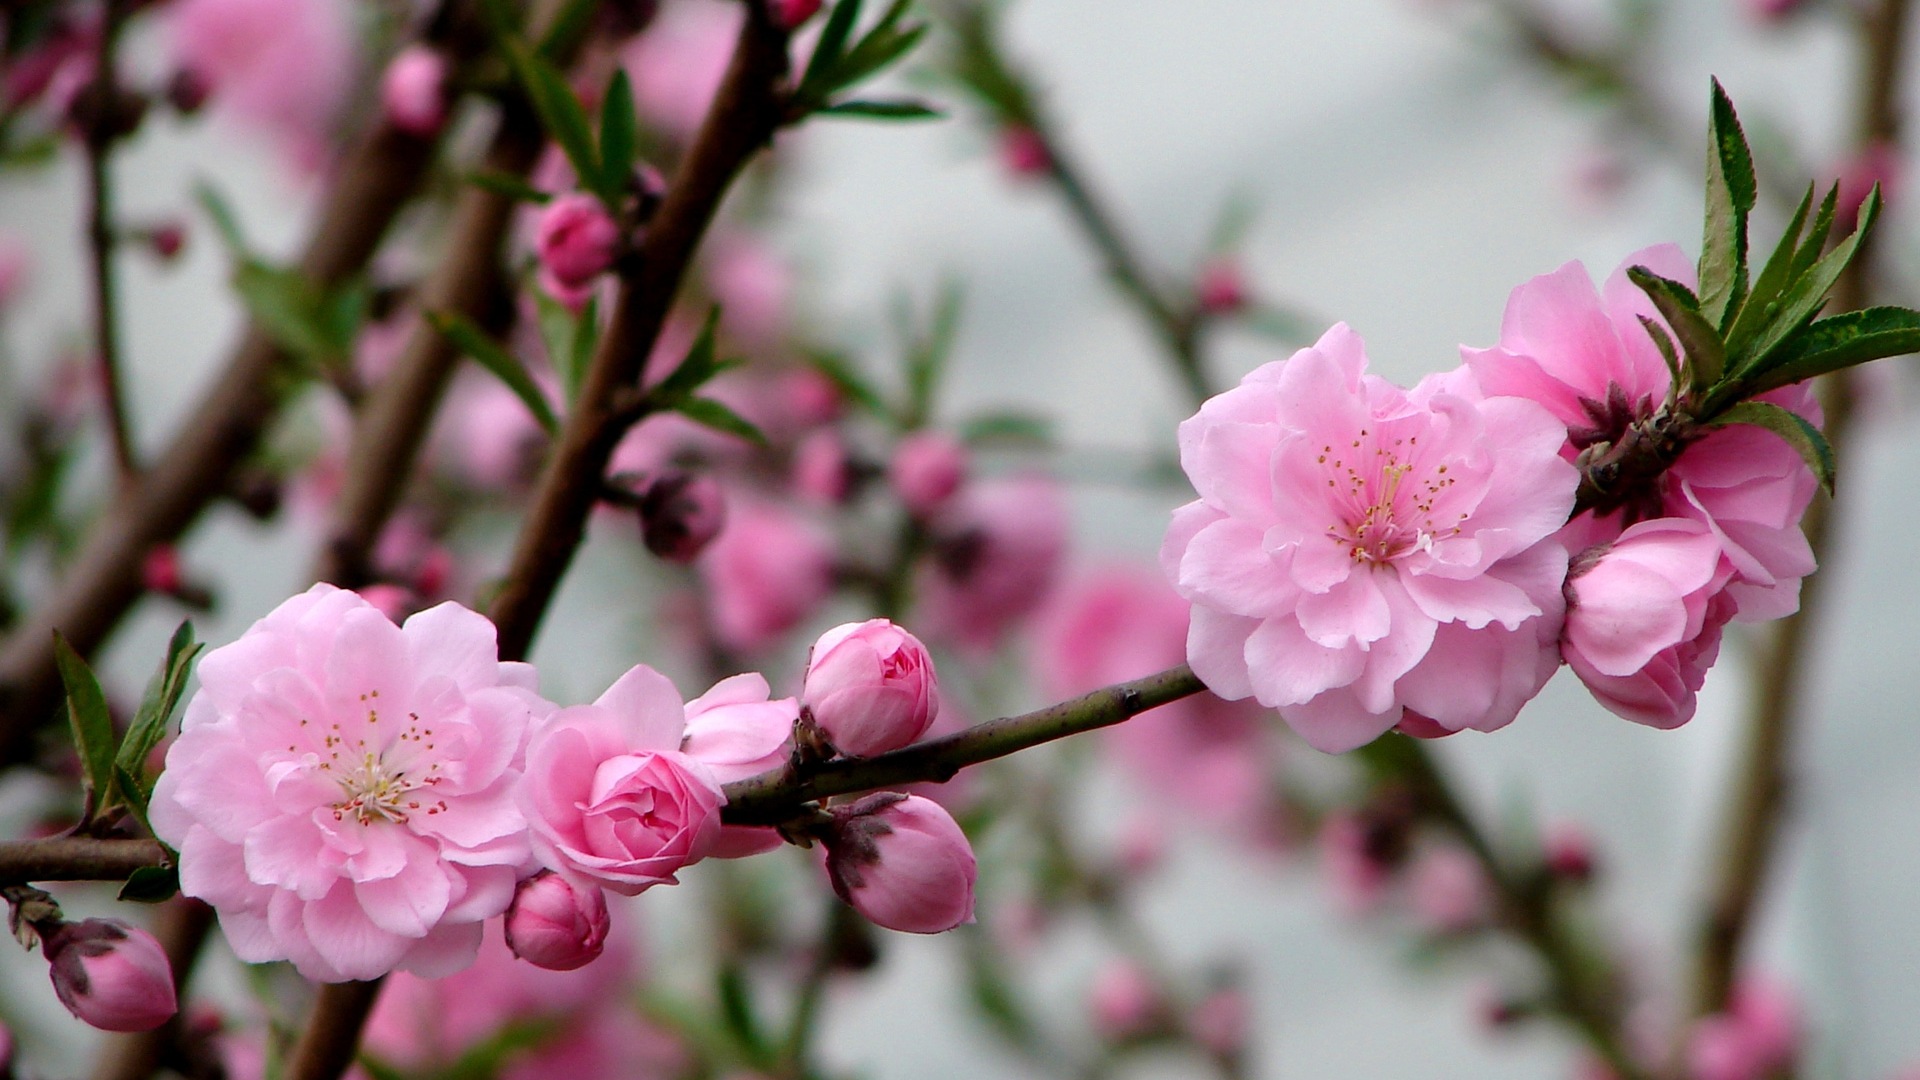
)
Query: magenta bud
[
  {"x": 870, "y": 688},
  {"x": 167, "y": 240},
  {"x": 576, "y": 240},
  {"x": 902, "y": 862},
  {"x": 1568, "y": 852},
  {"x": 1024, "y": 153},
  {"x": 556, "y": 923},
  {"x": 160, "y": 570},
  {"x": 1221, "y": 286},
  {"x": 927, "y": 468},
  {"x": 111, "y": 975},
  {"x": 414, "y": 91},
  {"x": 680, "y": 514},
  {"x": 791, "y": 13}
]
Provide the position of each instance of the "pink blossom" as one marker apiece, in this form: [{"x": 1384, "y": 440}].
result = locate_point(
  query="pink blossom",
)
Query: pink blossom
[
  {"x": 1358, "y": 550},
  {"x": 576, "y": 239},
  {"x": 1568, "y": 852},
  {"x": 1124, "y": 1001},
  {"x": 414, "y": 90},
  {"x": 1448, "y": 890},
  {"x": 1024, "y": 153},
  {"x": 493, "y": 440},
  {"x": 1358, "y": 856},
  {"x": 927, "y": 469},
  {"x": 870, "y": 688},
  {"x": 1878, "y": 163},
  {"x": 792, "y": 13},
  {"x": 753, "y": 286},
  {"x": 768, "y": 570},
  {"x": 1757, "y": 1037},
  {"x": 678, "y": 63},
  {"x": 557, "y": 924},
  {"x": 342, "y": 790},
  {"x": 280, "y": 65},
  {"x": 1221, "y": 286},
  {"x": 999, "y": 548},
  {"x": 821, "y": 469},
  {"x": 1120, "y": 622},
  {"x": 1644, "y": 617},
  {"x": 1772, "y": 10},
  {"x": 902, "y": 862},
  {"x": 609, "y": 795},
  {"x": 738, "y": 729},
  {"x": 1584, "y": 355},
  {"x": 111, "y": 975},
  {"x": 680, "y": 514}
]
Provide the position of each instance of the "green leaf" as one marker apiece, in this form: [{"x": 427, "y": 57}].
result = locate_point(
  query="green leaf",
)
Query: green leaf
[
  {"x": 1839, "y": 341},
  {"x": 151, "y": 884},
  {"x": 224, "y": 221},
  {"x": 827, "y": 52},
  {"x": 1816, "y": 239},
  {"x": 1804, "y": 298},
  {"x": 570, "y": 339},
  {"x": 560, "y": 113},
  {"x": 1665, "y": 344},
  {"x": 849, "y": 382},
  {"x": 285, "y": 304},
  {"x": 695, "y": 369},
  {"x": 736, "y": 1009},
  {"x": 619, "y": 137},
  {"x": 1766, "y": 287},
  {"x": 927, "y": 358},
  {"x": 475, "y": 343},
  {"x": 897, "y": 109},
  {"x": 501, "y": 183},
  {"x": 1705, "y": 353},
  {"x": 1789, "y": 425},
  {"x": 91, "y": 722},
  {"x": 1008, "y": 428},
  {"x": 569, "y": 27},
  {"x": 1731, "y": 191},
  {"x": 720, "y": 418},
  {"x": 882, "y": 46},
  {"x": 157, "y": 705}
]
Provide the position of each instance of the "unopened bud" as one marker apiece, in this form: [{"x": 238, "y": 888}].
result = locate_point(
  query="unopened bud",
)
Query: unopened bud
[
  {"x": 1221, "y": 286},
  {"x": 928, "y": 467},
  {"x": 680, "y": 514},
  {"x": 821, "y": 469},
  {"x": 557, "y": 924},
  {"x": 1125, "y": 1003},
  {"x": 576, "y": 240},
  {"x": 902, "y": 862},
  {"x": 160, "y": 570},
  {"x": 187, "y": 92},
  {"x": 1221, "y": 1022},
  {"x": 111, "y": 975},
  {"x": 791, "y": 13},
  {"x": 870, "y": 688},
  {"x": 414, "y": 91},
  {"x": 1024, "y": 153},
  {"x": 167, "y": 240},
  {"x": 1568, "y": 852}
]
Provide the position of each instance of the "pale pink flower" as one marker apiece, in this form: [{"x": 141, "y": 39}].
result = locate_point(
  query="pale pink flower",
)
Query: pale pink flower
[
  {"x": 999, "y": 546},
  {"x": 493, "y": 439},
  {"x": 677, "y": 65},
  {"x": 822, "y": 471},
  {"x": 1221, "y": 1022},
  {"x": 575, "y": 239},
  {"x": 1644, "y": 618},
  {"x": 1124, "y": 1001},
  {"x": 1448, "y": 890},
  {"x": 1358, "y": 550},
  {"x": 753, "y": 286},
  {"x": 414, "y": 90},
  {"x": 928, "y": 467},
  {"x": 557, "y": 923},
  {"x": 738, "y": 729},
  {"x": 1584, "y": 355},
  {"x": 870, "y": 688},
  {"x": 1756, "y": 1038},
  {"x": 342, "y": 790},
  {"x": 284, "y": 66},
  {"x": 768, "y": 570},
  {"x": 610, "y": 797},
  {"x": 902, "y": 862},
  {"x": 111, "y": 975}
]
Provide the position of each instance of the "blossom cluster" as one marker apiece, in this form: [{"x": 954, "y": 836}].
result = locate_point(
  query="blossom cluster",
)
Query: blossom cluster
[
  {"x": 359, "y": 797},
  {"x": 1363, "y": 557}
]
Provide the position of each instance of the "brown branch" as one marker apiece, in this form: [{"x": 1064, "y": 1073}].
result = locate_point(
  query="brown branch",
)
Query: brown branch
[
  {"x": 745, "y": 113},
  {"x": 1756, "y": 803},
  {"x": 375, "y": 180},
  {"x": 780, "y": 795},
  {"x": 76, "y": 858},
  {"x": 104, "y": 121},
  {"x": 332, "y": 1033}
]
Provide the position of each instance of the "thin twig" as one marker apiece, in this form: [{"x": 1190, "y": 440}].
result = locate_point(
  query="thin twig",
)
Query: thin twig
[
  {"x": 332, "y": 1033},
  {"x": 1757, "y": 799},
  {"x": 102, "y": 130},
  {"x": 76, "y": 858}
]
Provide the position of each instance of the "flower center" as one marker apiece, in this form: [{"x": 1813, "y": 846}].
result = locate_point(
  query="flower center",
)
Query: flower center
[
  {"x": 371, "y": 787},
  {"x": 1386, "y": 511}
]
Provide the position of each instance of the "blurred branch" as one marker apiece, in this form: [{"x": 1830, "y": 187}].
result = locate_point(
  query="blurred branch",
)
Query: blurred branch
[
  {"x": 76, "y": 858},
  {"x": 104, "y": 118},
  {"x": 332, "y": 1033},
  {"x": 782, "y": 794},
  {"x": 1756, "y": 801}
]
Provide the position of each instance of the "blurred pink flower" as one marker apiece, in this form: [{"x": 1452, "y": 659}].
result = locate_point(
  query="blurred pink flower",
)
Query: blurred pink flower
[
  {"x": 927, "y": 470},
  {"x": 1878, "y": 163},
  {"x": 753, "y": 286},
  {"x": 1358, "y": 549},
  {"x": 1024, "y": 153},
  {"x": 768, "y": 570},
  {"x": 1644, "y": 617},
  {"x": 283, "y": 66},
  {"x": 1124, "y": 1001},
  {"x": 678, "y": 63},
  {"x": 1756, "y": 1038},
  {"x": 1583, "y": 354},
  {"x": 414, "y": 90},
  {"x": 609, "y": 795},
  {"x": 342, "y": 790},
  {"x": 999, "y": 547},
  {"x": 1220, "y": 288},
  {"x": 1448, "y": 890}
]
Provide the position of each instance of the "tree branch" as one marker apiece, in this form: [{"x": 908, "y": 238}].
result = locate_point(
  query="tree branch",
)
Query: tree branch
[
  {"x": 103, "y": 129},
  {"x": 332, "y": 1033},
  {"x": 76, "y": 858}
]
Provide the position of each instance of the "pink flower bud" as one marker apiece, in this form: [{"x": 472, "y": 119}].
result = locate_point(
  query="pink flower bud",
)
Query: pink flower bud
[
  {"x": 413, "y": 91},
  {"x": 1024, "y": 153},
  {"x": 821, "y": 469},
  {"x": 167, "y": 239},
  {"x": 111, "y": 975},
  {"x": 1124, "y": 1002},
  {"x": 576, "y": 239},
  {"x": 1449, "y": 890},
  {"x": 1221, "y": 286},
  {"x": 1772, "y": 10},
  {"x": 927, "y": 468},
  {"x": 680, "y": 514},
  {"x": 1757, "y": 1037},
  {"x": 557, "y": 924},
  {"x": 870, "y": 688},
  {"x": 902, "y": 862},
  {"x": 791, "y": 13},
  {"x": 1568, "y": 852},
  {"x": 160, "y": 570}
]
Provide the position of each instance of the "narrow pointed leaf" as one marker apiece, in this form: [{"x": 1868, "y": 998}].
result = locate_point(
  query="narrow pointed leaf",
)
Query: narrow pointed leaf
[
  {"x": 1767, "y": 286},
  {"x": 1837, "y": 342},
  {"x": 720, "y": 418},
  {"x": 1808, "y": 293},
  {"x": 1815, "y": 242},
  {"x": 1664, "y": 343},
  {"x": 1705, "y": 354},
  {"x": 619, "y": 136},
  {"x": 507, "y": 184},
  {"x": 91, "y": 722},
  {"x": 850, "y": 382},
  {"x": 828, "y": 50},
  {"x": 157, "y": 706},
  {"x": 893, "y": 109},
  {"x": 696, "y": 368},
  {"x": 1798, "y": 432},
  {"x": 1731, "y": 190},
  {"x": 568, "y": 27},
  {"x": 151, "y": 884},
  {"x": 225, "y": 223},
  {"x": 475, "y": 343},
  {"x": 878, "y": 49},
  {"x": 559, "y": 111}
]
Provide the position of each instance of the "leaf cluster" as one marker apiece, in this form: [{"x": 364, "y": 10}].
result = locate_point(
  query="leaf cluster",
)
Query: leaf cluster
[{"x": 840, "y": 62}]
